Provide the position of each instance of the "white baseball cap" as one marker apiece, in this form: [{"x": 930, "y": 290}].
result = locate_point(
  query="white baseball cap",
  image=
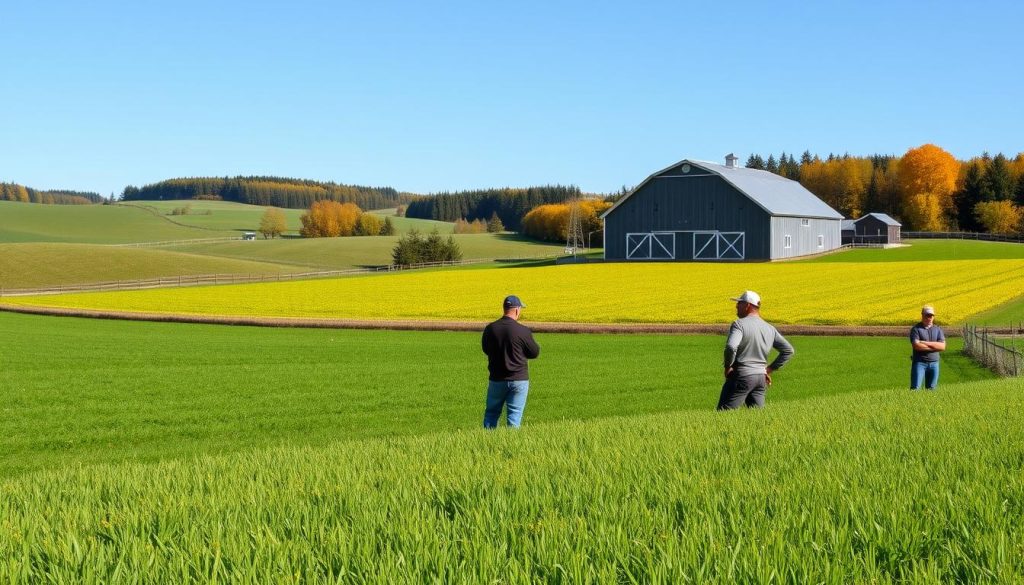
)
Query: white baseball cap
[
  {"x": 749, "y": 297},
  {"x": 927, "y": 310}
]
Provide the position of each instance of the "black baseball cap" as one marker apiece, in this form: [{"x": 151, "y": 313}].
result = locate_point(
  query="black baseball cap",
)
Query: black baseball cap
[{"x": 512, "y": 301}]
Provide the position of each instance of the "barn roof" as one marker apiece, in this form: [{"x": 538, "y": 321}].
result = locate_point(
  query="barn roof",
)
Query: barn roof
[
  {"x": 882, "y": 218},
  {"x": 776, "y": 195},
  {"x": 848, "y": 225}
]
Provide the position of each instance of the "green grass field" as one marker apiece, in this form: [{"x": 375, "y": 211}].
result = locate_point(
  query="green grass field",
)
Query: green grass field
[
  {"x": 864, "y": 487},
  {"x": 925, "y": 250},
  {"x": 228, "y": 215},
  {"x": 91, "y": 224},
  {"x": 96, "y": 391},
  {"x": 341, "y": 253},
  {"x": 44, "y": 264}
]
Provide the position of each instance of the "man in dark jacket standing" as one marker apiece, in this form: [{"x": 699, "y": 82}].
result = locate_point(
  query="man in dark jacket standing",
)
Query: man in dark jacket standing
[{"x": 508, "y": 345}]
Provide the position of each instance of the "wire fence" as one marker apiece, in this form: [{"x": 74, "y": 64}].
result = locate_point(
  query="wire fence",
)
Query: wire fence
[
  {"x": 216, "y": 279},
  {"x": 998, "y": 352}
]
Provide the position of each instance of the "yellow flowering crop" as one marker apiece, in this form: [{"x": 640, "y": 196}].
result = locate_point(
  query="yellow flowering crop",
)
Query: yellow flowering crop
[{"x": 870, "y": 293}]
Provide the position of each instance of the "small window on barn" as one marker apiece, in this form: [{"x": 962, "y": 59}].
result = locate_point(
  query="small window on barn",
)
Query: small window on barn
[
  {"x": 821, "y": 241},
  {"x": 787, "y": 242},
  {"x": 805, "y": 222}
]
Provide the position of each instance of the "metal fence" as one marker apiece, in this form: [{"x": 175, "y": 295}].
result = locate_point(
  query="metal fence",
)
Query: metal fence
[
  {"x": 962, "y": 236},
  {"x": 996, "y": 351},
  {"x": 214, "y": 279}
]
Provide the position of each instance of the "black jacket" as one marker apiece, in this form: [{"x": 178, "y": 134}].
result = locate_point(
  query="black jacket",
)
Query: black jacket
[{"x": 508, "y": 344}]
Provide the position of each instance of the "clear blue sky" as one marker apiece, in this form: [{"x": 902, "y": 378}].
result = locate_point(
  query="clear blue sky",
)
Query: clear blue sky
[{"x": 427, "y": 96}]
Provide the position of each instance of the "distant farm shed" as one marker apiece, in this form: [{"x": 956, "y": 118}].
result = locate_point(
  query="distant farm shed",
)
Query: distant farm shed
[
  {"x": 873, "y": 228},
  {"x": 696, "y": 210}
]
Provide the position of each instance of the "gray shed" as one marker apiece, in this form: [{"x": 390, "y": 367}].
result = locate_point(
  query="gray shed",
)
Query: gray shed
[
  {"x": 696, "y": 210},
  {"x": 877, "y": 228}
]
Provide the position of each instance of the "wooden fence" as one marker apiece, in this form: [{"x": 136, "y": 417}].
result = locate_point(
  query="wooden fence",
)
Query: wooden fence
[
  {"x": 997, "y": 352},
  {"x": 1019, "y": 239}
]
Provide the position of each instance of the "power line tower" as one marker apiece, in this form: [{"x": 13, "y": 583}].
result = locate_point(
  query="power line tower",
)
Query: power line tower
[{"x": 574, "y": 231}]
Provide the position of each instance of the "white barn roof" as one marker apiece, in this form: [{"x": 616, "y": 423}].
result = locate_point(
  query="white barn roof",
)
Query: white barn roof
[{"x": 776, "y": 195}]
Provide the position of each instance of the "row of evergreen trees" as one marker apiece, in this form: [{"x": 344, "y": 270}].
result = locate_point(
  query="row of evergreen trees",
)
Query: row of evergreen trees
[
  {"x": 23, "y": 194},
  {"x": 510, "y": 205},
  {"x": 414, "y": 248},
  {"x": 274, "y": 191}
]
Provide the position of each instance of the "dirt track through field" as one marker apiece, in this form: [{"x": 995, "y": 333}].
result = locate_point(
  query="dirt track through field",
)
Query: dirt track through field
[{"x": 410, "y": 325}]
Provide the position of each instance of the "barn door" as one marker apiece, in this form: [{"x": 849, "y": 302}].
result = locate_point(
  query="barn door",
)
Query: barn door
[
  {"x": 651, "y": 246},
  {"x": 719, "y": 245}
]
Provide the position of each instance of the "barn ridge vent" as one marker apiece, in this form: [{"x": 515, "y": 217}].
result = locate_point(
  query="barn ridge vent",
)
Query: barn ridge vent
[{"x": 730, "y": 160}]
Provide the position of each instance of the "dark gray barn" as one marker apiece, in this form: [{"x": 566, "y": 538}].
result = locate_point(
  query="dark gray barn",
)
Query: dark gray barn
[
  {"x": 695, "y": 210},
  {"x": 876, "y": 228}
]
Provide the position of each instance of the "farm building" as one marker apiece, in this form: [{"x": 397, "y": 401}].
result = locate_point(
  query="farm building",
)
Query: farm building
[
  {"x": 695, "y": 210},
  {"x": 873, "y": 228}
]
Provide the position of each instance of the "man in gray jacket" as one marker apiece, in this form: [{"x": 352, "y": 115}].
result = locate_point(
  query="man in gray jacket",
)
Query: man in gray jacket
[{"x": 751, "y": 338}]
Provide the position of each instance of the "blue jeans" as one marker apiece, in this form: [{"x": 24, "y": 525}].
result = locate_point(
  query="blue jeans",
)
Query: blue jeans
[
  {"x": 512, "y": 395},
  {"x": 927, "y": 371}
]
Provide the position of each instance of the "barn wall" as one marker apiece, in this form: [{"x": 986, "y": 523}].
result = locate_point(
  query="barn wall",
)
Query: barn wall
[
  {"x": 804, "y": 239},
  {"x": 686, "y": 204}
]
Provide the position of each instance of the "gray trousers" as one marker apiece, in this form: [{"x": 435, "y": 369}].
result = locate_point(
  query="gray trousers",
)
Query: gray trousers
[{"x": 743, "y": 391}]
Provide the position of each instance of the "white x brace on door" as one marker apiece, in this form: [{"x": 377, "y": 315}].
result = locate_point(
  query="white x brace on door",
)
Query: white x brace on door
[
  {"x": 651, "y": 246},
  {"x": 719, "y": 245}
]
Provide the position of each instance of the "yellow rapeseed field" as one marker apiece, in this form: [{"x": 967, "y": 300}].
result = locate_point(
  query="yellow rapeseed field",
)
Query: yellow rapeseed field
[{"x": 873, "y": 293}]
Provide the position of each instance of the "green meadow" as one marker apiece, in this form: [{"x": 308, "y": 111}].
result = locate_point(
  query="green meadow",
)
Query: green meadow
[
  {"x": 80, "y": 391},
  {"x": 91, "y": 224},
  {"x": 240, "y": 217},
  {"x": 342, "y": 253},
  {"x": 879, "y": 486},
  {"x": 925, "y": 250},
  {"x": 47, "y": 264}
]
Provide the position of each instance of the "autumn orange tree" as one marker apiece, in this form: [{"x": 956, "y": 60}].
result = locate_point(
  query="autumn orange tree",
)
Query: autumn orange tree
[
  {"x": 330, "y": 219},
  {"x": 927, "y": 179}
]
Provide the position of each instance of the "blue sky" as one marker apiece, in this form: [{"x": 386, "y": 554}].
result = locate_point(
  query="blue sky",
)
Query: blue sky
[{"x": 427, "y": 96}]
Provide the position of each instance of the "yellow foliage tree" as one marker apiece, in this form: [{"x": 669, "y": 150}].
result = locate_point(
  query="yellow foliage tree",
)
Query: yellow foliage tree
[
  {"x": 999, "y": 217},
  {"x": 330, "y": 219},
  {"x": 551, "y": 222},
  {"x": 928, "y": 176},
  {"x": 273, "y": 223}
]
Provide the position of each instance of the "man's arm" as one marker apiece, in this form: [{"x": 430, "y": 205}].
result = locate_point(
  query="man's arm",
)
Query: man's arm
[
  {"x": 732, "y": 344},
  {"x": 530, "y": 348},
  {"x": 485, "y": 340},
  {"x": 786, "y": 352}
]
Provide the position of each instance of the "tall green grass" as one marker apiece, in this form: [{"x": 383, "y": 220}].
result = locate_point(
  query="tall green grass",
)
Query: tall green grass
[
  {"x": 882, "y": 487},
  {"x": 925, "y": 250},
  {"x": 92, "y": 391}
]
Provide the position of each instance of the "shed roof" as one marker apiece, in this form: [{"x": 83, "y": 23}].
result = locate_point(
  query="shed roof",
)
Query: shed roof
[
  {"x": 776, "y": 195},
  {"x": 883, "y": 218},
  {"x": 848, "y": 225}
]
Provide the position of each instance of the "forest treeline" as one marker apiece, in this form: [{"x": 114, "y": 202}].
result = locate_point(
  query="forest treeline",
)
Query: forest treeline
[
  {"x": 272, "y": 191},
  {"x": 510, "y": 205},
  {"x": 16, "y": 192},
  {"x": 926, "y": 189}
]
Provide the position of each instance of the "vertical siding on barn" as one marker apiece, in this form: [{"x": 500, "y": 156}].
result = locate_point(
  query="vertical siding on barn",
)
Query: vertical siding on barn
[
  {"x": 677, "y": 203},
  {"x": 804, "y": 238}
]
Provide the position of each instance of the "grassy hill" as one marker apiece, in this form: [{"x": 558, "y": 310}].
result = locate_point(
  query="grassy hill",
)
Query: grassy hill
[
  {"x": 45, "y": 264},
  {"x": 288, "y": 453},
  {"x": 91, "y": 224},
  {"x": 227, "y": 215},
  {"x": 340, "y": 253}
]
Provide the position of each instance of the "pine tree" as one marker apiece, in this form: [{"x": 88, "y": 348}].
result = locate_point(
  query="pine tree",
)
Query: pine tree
[
  {"x": 495, "y": 226},
  {"x": 388, "y": 228},
  {"x": 755, "y": 161},
  {"x": 970, "y": 196},
  {"x": 770, "y": 165},
  {"x": 999, "y": 180}
]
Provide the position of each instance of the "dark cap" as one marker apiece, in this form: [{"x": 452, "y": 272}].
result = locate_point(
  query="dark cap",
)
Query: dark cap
[{"x": 511, "y": 302}]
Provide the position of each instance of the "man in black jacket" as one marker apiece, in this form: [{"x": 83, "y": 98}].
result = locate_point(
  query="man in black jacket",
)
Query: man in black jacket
[{"x": 508, "y": 345}]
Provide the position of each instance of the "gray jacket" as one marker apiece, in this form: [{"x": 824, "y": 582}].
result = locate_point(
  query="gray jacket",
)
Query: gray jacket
[{"x": 749, "y": 343}]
